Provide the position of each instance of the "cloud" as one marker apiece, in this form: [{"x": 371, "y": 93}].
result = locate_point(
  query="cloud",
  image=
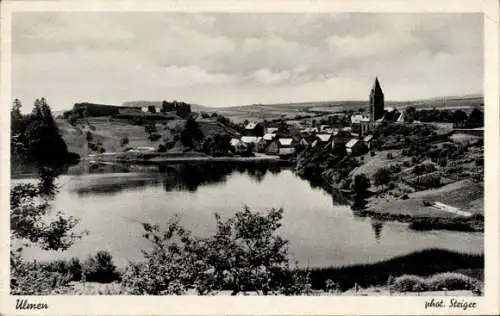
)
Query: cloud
[{"x": 236, "y": 58}]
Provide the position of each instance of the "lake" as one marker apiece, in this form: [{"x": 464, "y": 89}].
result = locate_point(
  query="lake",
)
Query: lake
[{"x": 320, "y": 229}]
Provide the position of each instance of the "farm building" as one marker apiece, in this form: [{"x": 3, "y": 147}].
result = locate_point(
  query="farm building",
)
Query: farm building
[
  {"x": 309, "y": 130},
  {"x": 254, "y": 129},
  {"x": 286, "y": 152},
  {"x": 286, "y": 142},
  {"x": 321, "y": 139},
  {"x": 271, "y": 130},
  {"x": 324, "y": 137},
  {"x": 238, "y": 146},
  {"x": 368, "y": 141},
  {"x": 269, "y": 137},
  {"x": 355, "y": 147},
  {"x": 273, "y": 147}
]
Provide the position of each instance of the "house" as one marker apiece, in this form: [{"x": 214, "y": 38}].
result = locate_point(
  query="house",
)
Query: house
[
  {"x": 250, "y": 139},
  {"x": 271, "y": 130},
  {"x": 361, "y": 124},
  {"x": 254, "y": 129},
  {"x": 269, "y": 137},
  {"x": 324, "y": 138},
  {"x": 286, "y": 142},
  {"x": 286, "y": 152},
  {"x": 321, "y": 139},
  {"x": 368, "y": 141},
  {"x": 238, "y": 146},
  {"x": 323, "y": 127},
  {"x": 261, "y": 145},
  {"x": 273, "y": 147},
  {"x": 355, "y": 147}
]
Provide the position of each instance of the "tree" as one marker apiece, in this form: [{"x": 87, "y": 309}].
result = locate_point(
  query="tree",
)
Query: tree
[
  {"x": 29, "y": 204},
  {"x": 360, "y": 184},
  {"x": 382, "y": 177},
  {"x": 476, "y": 118},
  {"x": 39, "y": 136},
  {"x": 191, "y": 134},
  {"x": 150, "y": 128},
  {"x": 244, "y": 254},
  {"x": 30, "y": 223},
  {"x": 459, "y": 116},
  {"x": 100, "y": 268}
]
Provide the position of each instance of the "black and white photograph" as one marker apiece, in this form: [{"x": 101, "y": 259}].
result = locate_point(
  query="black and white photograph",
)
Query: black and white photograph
[{"x": 240, "y": 153}]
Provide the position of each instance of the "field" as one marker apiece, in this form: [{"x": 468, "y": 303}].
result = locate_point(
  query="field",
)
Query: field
[{"x": 290, "y": 111}]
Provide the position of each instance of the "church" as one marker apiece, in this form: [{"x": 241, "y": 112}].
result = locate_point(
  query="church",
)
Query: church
[{"x": 364, "y": 124}]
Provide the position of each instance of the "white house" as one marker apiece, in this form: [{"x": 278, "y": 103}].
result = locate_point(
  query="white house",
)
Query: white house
[
  {"x": 286, "y": 142},
  {"x": 355, "y": 147},
  {"x": 269, "y": 137}
]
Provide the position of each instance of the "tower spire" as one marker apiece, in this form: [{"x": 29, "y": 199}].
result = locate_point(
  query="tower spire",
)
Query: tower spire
[
  {"x": 376, "y": 101},
  {"x": 376, "y": 87}
]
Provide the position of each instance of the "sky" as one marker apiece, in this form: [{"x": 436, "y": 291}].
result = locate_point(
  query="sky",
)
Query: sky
[{"x": 228, "y": 59}]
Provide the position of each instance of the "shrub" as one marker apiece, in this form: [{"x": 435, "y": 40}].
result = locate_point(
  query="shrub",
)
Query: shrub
[
  {"x": 162, "y": 148},
  {"x": 75, "y": 269},
  {"x": 124, "y": 141},
  {"x": 408, "y": 283},
  {"x": 382, "y": 176},
  {"x": 427, "y": 203},
  {"x": 244, "y": 254},
  {"x": 33, "y": 279},
  {"x": 451, "y": 281},
  {"x": 360, "y": 184},
  {"x": 154, "y": 137},
  {"x": 100, "y": 268},
  {"x": 89, "y": 136}
]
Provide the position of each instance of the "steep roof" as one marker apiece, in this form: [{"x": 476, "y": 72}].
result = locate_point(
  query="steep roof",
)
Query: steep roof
[
  {"x": 376, "y": 89},
  {"x": 251, "y": 125},
  {"x": 351, "y": 143},
  {"x": 250, "y": 139},
  {"x": 269, "y": 136},
  {"x": 285, "y": 141},
  {"x": 324, "y": 137}
]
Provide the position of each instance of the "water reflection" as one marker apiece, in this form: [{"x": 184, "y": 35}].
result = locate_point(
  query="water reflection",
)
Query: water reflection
[
  {"x": 173, "y": 177},
  {"x": 377, "y": 227}
]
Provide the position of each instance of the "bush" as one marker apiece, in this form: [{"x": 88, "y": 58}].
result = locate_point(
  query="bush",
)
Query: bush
[
  {"x": 89, "y": 136},
  {"x": 162, "y": 148},
  {"x": 427, "y": 203},
  {"x": 154, "y": 137},
  {"x": 360, "y": 184},
  {"x": 244, "y": 254},
  {"x": 124, "y": 141},
  {"x": 382, "y": 176},
  {"x": 451, "y": 281},
  {"x": 408, "y": 283},
  {"x": 100, "y": 268}
]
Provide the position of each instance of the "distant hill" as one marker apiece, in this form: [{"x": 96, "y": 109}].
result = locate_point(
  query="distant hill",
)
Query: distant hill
[{"x": 141, "y": 103}]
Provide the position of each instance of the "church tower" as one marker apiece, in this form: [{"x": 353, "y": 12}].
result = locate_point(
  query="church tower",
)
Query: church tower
[{"x": 376, "y": 101}]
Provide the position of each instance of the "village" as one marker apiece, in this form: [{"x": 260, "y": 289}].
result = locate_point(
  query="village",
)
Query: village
[{"x": 353, "y": 132}]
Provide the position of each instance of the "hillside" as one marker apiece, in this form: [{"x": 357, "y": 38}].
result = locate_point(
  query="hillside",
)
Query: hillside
[
  {"x": 109, "y": 133},
  {"x": 145, "y": 103}
]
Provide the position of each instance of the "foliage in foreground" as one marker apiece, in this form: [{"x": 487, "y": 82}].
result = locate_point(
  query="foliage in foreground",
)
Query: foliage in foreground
[
  {"x": 32, "y": 222},
  {"x": 244, "y": 254},
  {"x": 443, "y": 281}
]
